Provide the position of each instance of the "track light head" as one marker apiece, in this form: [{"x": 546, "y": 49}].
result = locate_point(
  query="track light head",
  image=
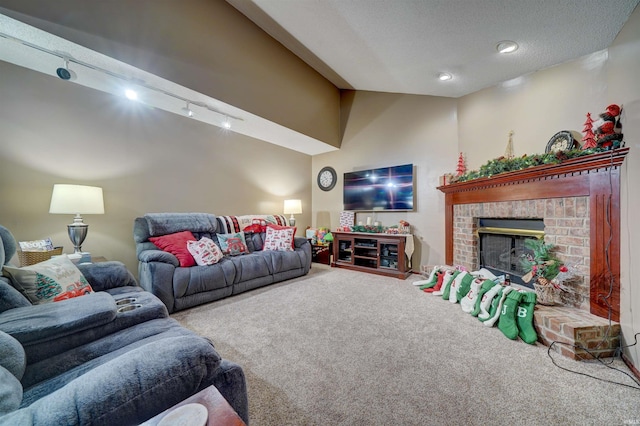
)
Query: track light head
[
  {"x": 187, "y": 111},
  {"x": 65, "y": 73}
]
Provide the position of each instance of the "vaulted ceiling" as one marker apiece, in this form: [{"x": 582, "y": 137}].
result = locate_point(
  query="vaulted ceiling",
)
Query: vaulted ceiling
[{"x": 401, "y": 46}]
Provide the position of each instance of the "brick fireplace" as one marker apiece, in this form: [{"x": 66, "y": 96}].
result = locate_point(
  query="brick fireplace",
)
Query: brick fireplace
[{"x": 579, "y": 202}]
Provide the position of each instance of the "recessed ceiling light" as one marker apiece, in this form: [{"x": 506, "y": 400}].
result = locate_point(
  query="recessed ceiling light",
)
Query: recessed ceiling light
[
  {"x": 131, "y": 94},
  {"x": 443, "y": 76},
  {"x": 507, "y": 46}
]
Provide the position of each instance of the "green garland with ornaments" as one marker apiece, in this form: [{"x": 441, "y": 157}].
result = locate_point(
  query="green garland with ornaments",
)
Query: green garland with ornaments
[{"x": 505, "y": 164}]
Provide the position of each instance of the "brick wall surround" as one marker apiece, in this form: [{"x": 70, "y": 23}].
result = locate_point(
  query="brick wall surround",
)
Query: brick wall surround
[{"x": 566, "y": 224}]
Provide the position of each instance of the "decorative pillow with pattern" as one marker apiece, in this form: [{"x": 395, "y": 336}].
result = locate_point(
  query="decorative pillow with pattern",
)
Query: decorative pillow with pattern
[
  {"x": 176, "y": 244},
  {"x": 233, "y": 244},
  {"x": 205, "y": 251},
  {"x": 279, "y": 238},
  {"x": 49, "y": 281}
]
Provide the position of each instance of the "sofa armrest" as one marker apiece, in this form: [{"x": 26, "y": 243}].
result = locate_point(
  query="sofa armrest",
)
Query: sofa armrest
[
  {"x": 43, "y": 323},
  {"x": 300, "y": 242},
  {"x": 107, "y": 275},
  {"x": 158, "y": 256}
]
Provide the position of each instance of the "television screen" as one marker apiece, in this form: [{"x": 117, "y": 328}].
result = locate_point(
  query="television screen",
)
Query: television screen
[{"x": 388, "y": 188}]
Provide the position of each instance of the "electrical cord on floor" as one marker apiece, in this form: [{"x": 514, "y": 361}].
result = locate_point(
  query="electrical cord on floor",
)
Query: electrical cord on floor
[{"x": 605, "y": 299}]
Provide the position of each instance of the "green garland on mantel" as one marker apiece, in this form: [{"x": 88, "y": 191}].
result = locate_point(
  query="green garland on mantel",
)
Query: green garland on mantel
[{"x": 504, "y": 164}]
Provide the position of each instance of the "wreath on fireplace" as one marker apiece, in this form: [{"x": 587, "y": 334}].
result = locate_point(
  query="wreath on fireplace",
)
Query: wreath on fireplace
[{"x": 544, "y": 268}]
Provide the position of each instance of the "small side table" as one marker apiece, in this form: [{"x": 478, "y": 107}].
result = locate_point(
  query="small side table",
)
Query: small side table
[
  {"x": 321, "y": 253},
  {"x": 220, "y": 412}
]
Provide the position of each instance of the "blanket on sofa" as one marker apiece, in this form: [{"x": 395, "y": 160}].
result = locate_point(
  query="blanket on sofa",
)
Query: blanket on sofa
[{"x": 229, "y": 224}]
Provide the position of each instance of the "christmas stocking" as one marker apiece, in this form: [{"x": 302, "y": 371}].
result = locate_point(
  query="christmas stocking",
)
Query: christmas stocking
[
  {"x": 486, "y": 303},
  {"x": 455, "y": 287},
  {"x": 507, "y": 321},
  {"x": 431, "y": 281},
  {"x": 465, "y": 286},
  {"x": 446, "y": 280},
  {"x": 524, "y": 318},
  {"x": 446, "y": 286},
  {"x": 468, "y": 302},
  {"x": 498, "y": 307},
  {"x": 438, "y": 284},
  {"x": 433, "y": 278},
  {"x": 485, "y": 286}
]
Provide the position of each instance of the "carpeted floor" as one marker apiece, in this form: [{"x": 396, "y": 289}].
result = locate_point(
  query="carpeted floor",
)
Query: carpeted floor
[{"x": 339, "y": 347}]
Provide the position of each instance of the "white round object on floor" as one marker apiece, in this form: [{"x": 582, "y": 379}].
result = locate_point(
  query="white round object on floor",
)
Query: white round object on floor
[{"x": 186, "y": 415}]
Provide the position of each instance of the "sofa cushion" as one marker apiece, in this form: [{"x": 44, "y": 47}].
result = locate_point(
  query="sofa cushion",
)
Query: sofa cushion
[
  {"x": 205, "y": 251},
  {"x": 169, "y": 223},
  {"x": 54, "y": 320},
  {"x": 12, "y": 355},
  {"x": 10, "y": 298},
  {"x": 279, "y": 238},
  {"x": 10, "y": 392},
  {"x": 52, "y": 280},
  {"x": 176, "y": 244},
  {"x": 125, "y": 386},
  {"x": 233, "y": 243}
]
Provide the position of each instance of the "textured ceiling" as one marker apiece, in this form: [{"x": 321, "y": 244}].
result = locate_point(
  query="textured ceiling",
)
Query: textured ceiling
[{"x": 401, "y": 46}]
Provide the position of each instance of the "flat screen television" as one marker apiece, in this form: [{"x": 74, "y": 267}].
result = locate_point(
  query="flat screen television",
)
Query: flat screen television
[{"x": 387, "y": 188}]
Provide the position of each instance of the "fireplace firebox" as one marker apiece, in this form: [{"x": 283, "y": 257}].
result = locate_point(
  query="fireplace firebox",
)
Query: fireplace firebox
[{"x": 501, "y": 245}]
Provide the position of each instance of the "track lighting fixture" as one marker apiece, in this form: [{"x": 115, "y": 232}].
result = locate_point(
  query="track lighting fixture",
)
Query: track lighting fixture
[
  {"x": 187, "y": 111},
  {"x": 65, "y": 73}
]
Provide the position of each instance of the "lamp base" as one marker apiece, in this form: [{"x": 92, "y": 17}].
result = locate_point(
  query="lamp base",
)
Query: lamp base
[
  {"x": 292, "y": 221},
  {"x": 77, "y": 234}
]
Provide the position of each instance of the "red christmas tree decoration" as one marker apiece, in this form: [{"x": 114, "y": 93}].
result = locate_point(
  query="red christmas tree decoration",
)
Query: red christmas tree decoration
[
  {"x": 589, "y": 138},
  {"x": 462, "y": 168}
]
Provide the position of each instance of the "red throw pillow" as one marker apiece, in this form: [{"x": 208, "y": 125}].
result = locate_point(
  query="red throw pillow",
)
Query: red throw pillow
[
  {"x": 176, "y": 244},
  {"x": 280, "y": 227}
]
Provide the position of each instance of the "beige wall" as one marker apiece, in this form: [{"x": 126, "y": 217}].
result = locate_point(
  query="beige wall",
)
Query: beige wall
[
  {"x": 384, "y": 129},
  {"x": 624, "y": 88},
  {"x": 538, "y": 105},
  {"x": 146, "y": 160},
  {"x": 205, "y": 45}
]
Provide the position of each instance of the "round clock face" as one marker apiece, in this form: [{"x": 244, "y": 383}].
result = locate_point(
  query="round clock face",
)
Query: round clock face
[
  {"x": 327, "y": 178},
  {"x": 561, "y": 141}
]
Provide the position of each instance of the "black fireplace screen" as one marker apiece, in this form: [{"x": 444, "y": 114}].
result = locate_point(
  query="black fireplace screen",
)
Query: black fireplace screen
[{"x": 502, "y": 248}]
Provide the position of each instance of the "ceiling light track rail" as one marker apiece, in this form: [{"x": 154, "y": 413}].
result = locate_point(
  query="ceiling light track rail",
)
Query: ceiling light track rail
[{"x": 67, "y": 59}]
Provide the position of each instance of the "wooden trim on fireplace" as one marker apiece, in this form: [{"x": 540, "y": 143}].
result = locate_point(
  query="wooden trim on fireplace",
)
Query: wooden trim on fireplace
[{"x": 596, "y": 176}]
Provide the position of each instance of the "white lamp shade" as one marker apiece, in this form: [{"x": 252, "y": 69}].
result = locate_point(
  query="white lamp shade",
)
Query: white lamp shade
[
  {"x": 76, "y": 199},
  {"x": 292, "y": 206}
]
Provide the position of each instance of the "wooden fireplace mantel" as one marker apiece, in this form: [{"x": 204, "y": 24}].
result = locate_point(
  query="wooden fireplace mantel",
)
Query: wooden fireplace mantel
[{"x": 596, "y": 176}]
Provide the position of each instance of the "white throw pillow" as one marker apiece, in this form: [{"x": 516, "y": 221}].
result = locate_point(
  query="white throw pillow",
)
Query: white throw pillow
[
  {"x": 279, "y": 239},
  {"x": 49, "y": 281},
  {"x": 205, "y": 251}
]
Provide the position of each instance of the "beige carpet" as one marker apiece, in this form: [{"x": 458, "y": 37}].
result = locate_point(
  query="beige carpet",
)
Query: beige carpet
[{"x": 339, "y": 347}]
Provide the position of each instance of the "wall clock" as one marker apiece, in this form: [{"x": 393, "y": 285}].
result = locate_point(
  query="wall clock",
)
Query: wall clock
[
  {"x": 561, "y": 141},
  {"x": 327, "y": 178}
]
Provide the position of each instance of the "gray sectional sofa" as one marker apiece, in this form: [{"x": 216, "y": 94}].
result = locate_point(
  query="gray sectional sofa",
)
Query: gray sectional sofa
[
  {"x": 183, "y": 287},
  {"x": 86, "y": 360}
]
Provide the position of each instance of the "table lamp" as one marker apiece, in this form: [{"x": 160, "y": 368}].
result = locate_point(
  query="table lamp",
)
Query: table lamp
[
  {"x": 76, "y": 199},
  {"x": 292, "y": 207}
]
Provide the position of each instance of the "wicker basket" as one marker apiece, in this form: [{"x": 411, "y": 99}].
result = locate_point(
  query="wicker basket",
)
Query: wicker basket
[
  {"x": 545, "y": 294},
  {"x": 32, "y": 257}
]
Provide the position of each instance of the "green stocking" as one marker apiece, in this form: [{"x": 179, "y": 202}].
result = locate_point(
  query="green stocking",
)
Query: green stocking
[
  {"x": 524, "y": 318},
  {"x": 486, "y": 286},
  {"x": 465, "y": 286},
  {"x": 507, "y": 322},
  {"x": 447, "y": 285}
]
